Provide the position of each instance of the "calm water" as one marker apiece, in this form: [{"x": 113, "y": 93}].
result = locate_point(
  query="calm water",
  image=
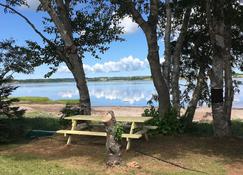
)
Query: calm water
[{"x": 114, "y": 93}]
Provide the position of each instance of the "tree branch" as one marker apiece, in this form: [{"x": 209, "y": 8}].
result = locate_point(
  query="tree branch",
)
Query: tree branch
[
  {"x": 210, "y": 20},
  {"x": 64, "y": 15},
  {"x": 28, "y": 21},
  {"x": 130, "y": 8},
  {"x": 65, "y": 34},
  {"x": 58, "y": 51},
  {"x": 154, "y": 10},
  {"x": 182, "y": 35}
]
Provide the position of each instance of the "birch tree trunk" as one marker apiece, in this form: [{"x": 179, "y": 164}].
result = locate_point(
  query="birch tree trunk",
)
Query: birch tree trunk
[
  {"x": 176, "y": 63},
  {"x": 166, "y": 67},
  {"x": 217, "y": 35},
  {"x": 190, "y": 111},
  {"x": 228, "y": 77}
]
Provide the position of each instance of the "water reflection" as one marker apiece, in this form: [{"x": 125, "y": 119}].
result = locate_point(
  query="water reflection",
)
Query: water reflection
[
  {"x": 115, "y": 93},
  {"x": 68, "y": 94},
  {"x": 129, "y": 95}
]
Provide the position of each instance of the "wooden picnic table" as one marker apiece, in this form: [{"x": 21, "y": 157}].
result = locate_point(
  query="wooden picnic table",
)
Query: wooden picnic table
[{"x": 132, "y": 123}]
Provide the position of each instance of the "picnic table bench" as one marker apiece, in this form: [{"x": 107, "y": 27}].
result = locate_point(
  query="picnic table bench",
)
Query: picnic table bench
[{"x": 131, "y": 123}]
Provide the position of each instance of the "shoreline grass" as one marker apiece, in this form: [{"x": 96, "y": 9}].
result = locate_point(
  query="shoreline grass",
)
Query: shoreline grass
[{"x": 44, "y": 100}]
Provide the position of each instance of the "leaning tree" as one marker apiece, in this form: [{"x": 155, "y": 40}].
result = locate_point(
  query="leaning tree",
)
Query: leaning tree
[
  {"x": 146, "y": 15},
  {"x": 74, "y": 27}
]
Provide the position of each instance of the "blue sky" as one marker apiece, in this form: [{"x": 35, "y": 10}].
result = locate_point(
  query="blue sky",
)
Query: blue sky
[{"x": 126, "y": 58}]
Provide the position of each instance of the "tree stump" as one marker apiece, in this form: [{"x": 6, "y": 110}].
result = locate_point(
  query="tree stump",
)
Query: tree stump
[{"x": 113, "y": 146}]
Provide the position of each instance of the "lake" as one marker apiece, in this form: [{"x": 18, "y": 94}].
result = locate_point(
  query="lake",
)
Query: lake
[{"x": 110, "y": 93}]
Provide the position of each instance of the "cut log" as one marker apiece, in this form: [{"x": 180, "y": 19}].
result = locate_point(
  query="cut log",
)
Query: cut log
[{"x": 113, "y": 146}]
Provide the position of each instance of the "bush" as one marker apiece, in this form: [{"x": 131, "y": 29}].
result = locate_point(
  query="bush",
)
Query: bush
[
  {"x": 11, "y": 129},
  {"x": 169, "y": 124},
  {"x": 68, "y": 110},
  {"x": 14, "y": 129},
  {"x": 6, "y": 108}
]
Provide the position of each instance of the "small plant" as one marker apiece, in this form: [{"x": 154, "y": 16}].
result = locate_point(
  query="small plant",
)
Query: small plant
[
  {"x": 118, "y": 130},
  {"x": 68, "y": 110}
]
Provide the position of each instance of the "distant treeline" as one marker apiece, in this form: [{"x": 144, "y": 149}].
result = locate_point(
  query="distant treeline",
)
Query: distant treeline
[
  {"x": 88, "y": 79},
  {"x": 237, "y": 75}
]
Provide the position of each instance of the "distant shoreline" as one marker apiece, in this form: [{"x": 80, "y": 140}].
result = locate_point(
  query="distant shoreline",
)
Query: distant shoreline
[
  {"x": 102, "y": 79},
  {"x": 96, "y": 79}
]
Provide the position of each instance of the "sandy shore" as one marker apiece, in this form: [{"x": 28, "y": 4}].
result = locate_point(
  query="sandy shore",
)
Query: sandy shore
[{"x": 202, "y": 113}]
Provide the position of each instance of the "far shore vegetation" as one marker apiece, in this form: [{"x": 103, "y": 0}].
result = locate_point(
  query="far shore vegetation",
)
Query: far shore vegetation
[
  {"x": 44, "y": 100},
  {"x": 131, "y": 78},
  {"x": 88, "y": 79}
]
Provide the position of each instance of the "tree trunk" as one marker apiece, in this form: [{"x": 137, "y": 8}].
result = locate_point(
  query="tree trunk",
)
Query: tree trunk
[
  {"x": 75, "y": 65},
  {"x": 217, "y": 34},
  {"x": 229, "y": 90},
  {"x": 113, "y": 147},
  {"x": 149, "y": 28},
  {"x": 176, "y": 63},
  {"x": 190, "y": 111},
  {"x": 157, "y": 76},
  {"x": 167, "y": 63},
  {"x": 62, "y": 21}
]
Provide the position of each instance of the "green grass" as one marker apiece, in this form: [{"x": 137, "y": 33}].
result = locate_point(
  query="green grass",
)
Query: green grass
[
  {"x": 192, "y": 150},
  {"x": 26, "y": 164},
  {"x": 50, "y": 157},
  {"x": 206, "y": 128},
  {"x": 45, "y": 100},
  {"x": 197, "y": 149}
]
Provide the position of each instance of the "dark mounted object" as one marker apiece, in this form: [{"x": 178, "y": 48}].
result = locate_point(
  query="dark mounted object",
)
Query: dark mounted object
[{"x": 217, "y": 95}]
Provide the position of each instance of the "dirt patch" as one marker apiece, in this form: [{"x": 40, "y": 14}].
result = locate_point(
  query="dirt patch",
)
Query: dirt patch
[{"x": 235, "y": 168}]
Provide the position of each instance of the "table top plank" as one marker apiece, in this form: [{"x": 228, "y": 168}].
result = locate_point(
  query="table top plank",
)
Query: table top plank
[{"x": 100, "y": 118}]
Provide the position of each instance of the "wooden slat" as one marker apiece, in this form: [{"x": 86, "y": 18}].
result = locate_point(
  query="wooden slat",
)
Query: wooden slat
[
  {"x": 150, "y": 127},
  {"x": 92, "y": 133},
  {"x": 142, "y": 131},
  {"x": 100, "y": 118},
  {"x": 125, "y": 126}
]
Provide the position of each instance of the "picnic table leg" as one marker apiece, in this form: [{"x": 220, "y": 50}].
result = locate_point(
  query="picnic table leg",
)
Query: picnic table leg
[
  {"x": 131, "y": 132},
  {"x": 74, "y": 124},
  {"x": 146, "y": 134}
]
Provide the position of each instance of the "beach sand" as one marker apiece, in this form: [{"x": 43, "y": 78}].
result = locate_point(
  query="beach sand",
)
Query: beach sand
[{"x": 202, "y": 113}]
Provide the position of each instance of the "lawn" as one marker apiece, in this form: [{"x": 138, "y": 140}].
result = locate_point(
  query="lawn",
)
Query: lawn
[
  {"x": 190, "y": 154},
  {"x": 161, "y": 155}
]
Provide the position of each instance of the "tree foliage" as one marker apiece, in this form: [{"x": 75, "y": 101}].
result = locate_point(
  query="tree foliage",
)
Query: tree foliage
[{"x": 12, "y": 60}]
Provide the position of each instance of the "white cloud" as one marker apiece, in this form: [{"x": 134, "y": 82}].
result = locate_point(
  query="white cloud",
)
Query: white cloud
[
  {"x": 129, "y": 26},
  {"x": 63, "y": 69},
  {"x": 125, "y": 64},
  {"x": 33, "y": 4},
  {"x": 241, "y": 2}
]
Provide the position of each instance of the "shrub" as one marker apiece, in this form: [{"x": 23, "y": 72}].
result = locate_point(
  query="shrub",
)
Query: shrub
[
  {"x": 6, "y": 108},
  {"x": 68, "y": 110},
  {"x": 169, "y": 124},
  {"x": 11, "y": 129}
]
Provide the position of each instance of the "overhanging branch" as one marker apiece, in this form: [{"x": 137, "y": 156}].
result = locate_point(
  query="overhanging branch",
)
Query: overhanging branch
[{"x": 28, "y": 21}]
